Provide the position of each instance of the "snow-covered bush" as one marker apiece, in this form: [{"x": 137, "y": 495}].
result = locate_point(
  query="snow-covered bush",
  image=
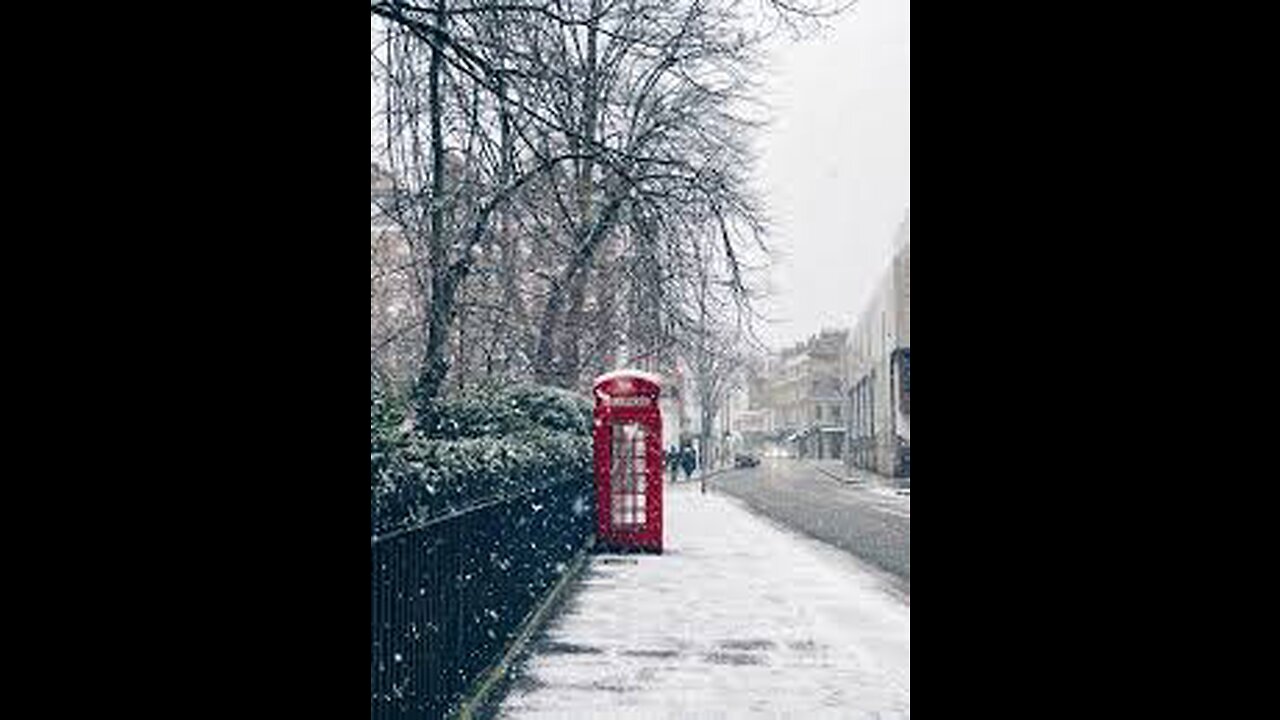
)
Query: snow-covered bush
[
  {"x": 484, "y": 445},
  {"x": 506, "y": 410},
  {"x": 385, "y": 418}
]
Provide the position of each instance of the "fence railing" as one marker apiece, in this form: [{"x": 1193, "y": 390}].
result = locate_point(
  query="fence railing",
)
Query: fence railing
[{"x": 447, "y": 597}]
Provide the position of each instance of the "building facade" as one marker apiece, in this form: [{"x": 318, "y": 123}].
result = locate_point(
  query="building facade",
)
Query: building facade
[
  {"x": 878, "y": 380},
  {"x": 802, "y": 393}
]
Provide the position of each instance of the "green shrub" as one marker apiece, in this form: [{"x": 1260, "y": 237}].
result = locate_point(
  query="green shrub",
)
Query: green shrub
[
  {"x": 385, "y": 418},
  {"x": 490, "y": 411},
  {"x": 485, "y": 444}
]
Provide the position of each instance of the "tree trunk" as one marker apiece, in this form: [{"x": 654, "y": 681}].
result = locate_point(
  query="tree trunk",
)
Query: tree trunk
[
  {"x": 435, "y": 363},
  {"x": 552, "y": 364},
  {"x": 511, "y": 327},
  {"x": 708, "y": 418}
]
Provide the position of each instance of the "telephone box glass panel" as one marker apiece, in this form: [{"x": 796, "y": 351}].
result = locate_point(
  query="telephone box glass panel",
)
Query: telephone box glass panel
[{"x": 627, "y": 476}]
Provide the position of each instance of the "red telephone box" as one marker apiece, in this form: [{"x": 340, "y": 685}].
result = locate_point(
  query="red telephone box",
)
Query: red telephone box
[{"x": 628, "y": 457}]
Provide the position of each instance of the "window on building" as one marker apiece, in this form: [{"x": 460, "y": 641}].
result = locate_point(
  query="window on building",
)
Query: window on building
[
  {"x": 906, "y": 381},
  {"x": 871, "y": 405}
]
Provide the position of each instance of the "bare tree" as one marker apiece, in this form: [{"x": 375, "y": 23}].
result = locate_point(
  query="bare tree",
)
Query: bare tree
[{"x": 554, "y": 164}]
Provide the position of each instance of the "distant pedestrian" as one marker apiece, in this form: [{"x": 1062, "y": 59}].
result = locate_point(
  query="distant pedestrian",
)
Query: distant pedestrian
[{"x": 689, "y": 461}]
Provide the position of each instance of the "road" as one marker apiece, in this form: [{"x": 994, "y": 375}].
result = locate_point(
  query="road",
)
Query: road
[{"x": 872, "y": 525}]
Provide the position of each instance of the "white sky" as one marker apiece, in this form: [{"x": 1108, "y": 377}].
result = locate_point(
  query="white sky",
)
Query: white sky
[{"x": 836, "y": 166}]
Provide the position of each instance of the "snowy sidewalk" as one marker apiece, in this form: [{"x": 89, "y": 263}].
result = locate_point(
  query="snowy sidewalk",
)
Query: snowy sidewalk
[{"x": 740, "y": 618}]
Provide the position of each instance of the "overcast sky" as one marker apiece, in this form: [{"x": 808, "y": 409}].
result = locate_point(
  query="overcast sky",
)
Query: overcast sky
[{"x": 836, "y": 166}]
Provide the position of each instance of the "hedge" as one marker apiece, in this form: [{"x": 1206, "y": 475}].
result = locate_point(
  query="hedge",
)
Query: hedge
[
  {"x": 485, "y": 444},
  {"x": 489, "y": 412},
  {"x": 384, "y": 423}
]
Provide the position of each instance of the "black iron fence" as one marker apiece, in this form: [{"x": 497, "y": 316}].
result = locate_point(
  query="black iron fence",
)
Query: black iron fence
[{"x": 447, "y": 597}]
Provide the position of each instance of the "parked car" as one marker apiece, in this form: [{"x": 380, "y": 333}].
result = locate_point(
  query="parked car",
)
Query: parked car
[{"x": 746, "y": 461}]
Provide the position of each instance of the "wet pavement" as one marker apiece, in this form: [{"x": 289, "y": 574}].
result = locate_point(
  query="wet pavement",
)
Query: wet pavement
[{"x": 739, "y": 618}]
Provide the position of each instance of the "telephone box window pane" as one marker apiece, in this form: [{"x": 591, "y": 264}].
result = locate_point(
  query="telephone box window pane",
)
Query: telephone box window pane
[{"x": 627, "y": 475}]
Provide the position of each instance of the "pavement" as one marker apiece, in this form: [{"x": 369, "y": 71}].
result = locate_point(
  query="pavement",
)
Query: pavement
[
  {"x": 837, "y": 470},
  {"x": 740, "y": 617}
]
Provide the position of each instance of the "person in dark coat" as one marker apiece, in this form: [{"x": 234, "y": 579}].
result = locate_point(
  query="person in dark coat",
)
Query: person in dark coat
[{"x": 689, "y": 461}]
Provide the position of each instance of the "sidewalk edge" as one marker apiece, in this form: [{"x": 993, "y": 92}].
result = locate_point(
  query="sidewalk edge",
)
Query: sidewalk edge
[
  {"x": 874, "y": 479},
  {"x": 842, "y": 478},
  {"x": 476, "y": 699}
]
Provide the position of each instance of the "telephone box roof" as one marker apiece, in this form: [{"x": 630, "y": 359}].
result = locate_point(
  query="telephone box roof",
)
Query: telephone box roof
[{"x": 625, "y": 373}]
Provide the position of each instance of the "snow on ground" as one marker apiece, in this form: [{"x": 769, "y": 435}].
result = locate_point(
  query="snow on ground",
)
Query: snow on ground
[{"x": 740, "y": 618}]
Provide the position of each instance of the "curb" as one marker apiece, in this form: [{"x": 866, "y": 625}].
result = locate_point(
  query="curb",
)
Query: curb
[
  {"x": 712, "y": 474},
  {"x": 841, "y": 478},
  {"x": 698, "y": 478},
  {"x": 489, "y": 679},
  {"x": 878, "y": 482}
]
